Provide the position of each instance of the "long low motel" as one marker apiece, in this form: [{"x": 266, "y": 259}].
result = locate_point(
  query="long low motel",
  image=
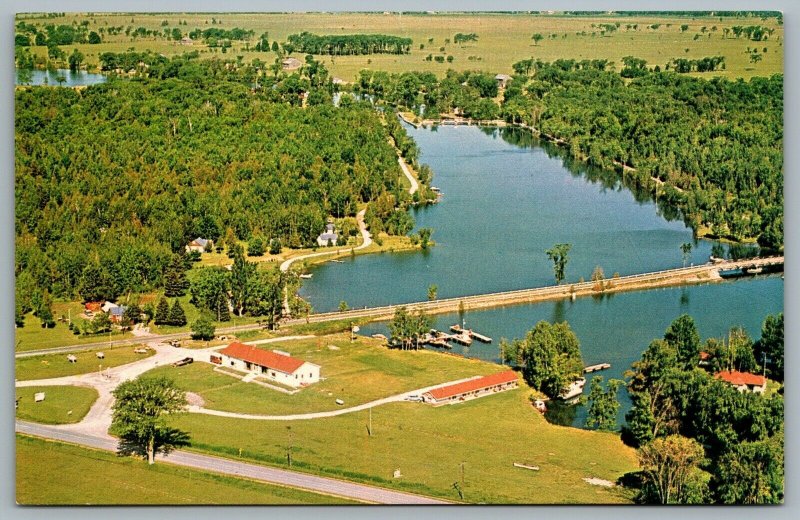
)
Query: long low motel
[
  {"x": 277, "y": 366},
  {"x": 472, "y": 389}
]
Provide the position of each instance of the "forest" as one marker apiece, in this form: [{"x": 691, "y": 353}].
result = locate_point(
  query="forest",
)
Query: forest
[
  {"x": 712, "y": 148},
  {"x": 347, "y": 44},
  {"x": 121, "y": 175}
]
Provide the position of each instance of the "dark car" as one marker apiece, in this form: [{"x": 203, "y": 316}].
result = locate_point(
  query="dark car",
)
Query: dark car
[{"x": 183, "y": 362}]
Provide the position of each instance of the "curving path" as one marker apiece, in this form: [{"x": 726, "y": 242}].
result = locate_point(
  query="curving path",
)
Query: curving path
[
  {"x": 331, "y": 413},
  {"x": 366, "y": 242},
  {"x": 414, "y": 184}
]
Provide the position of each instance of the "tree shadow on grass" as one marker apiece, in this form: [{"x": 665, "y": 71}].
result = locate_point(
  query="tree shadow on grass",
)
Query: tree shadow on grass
[{"x": 167, "y": 440}]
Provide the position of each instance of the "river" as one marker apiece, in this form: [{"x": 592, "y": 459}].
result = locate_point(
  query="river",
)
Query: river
[
  {"x": 503, "y": 206},
  {"x": 508, "y": 198}
]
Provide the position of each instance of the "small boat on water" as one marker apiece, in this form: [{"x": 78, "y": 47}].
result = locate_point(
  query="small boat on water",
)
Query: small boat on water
[
  {"x": 380, "y": 336},
  {"x": 595, "y": 368},
  {"x": 306, "y": 276},
  {"x": 574, "y": 390}
]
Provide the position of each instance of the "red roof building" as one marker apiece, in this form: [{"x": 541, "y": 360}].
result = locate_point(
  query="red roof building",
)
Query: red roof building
[
  {"x": 743, "y": 381},
  {"x": 477, "y": 387},
  {"x": 273, "y": 365}
]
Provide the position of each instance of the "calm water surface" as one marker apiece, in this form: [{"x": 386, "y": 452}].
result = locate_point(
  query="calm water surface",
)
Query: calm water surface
[
  {"x": 617, "y": 329},
  {"x": 71, "y": 79},
  {"x": 503, "y": 206},
  {"x": 506, "y": 200}
]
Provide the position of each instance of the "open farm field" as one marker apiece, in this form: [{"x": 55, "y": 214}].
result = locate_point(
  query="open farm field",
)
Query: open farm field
[{"x": 503, "y": 39}]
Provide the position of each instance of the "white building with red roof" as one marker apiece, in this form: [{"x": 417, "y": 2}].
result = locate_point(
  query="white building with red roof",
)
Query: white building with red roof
[
  {"x": 276, "y": 366},
  {"x": 743, "y": 381},
  {"x": 473, "y": 388}
]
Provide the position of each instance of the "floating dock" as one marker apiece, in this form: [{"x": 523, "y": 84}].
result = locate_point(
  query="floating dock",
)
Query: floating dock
[
  {"x": 470, "y": 333},
  {"x": 596, "y": 368}
]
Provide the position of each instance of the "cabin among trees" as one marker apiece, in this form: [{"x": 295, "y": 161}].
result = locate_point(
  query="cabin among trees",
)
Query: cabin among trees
[
  {"x": 328, "y": 237},
  {"x": 743, "y": 381},
  {"x": 199, "y": 245}
]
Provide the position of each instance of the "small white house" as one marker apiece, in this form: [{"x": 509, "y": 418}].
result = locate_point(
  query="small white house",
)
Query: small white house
[
  {"x": 278, "y": 367},
  {"x": 743, "y": 381},
  {"x": 329, "y": 237},
  {"x": 199, "y": 245}
]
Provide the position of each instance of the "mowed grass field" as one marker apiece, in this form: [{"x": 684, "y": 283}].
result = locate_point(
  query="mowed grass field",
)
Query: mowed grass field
[
  {"x": 356, "y": 372},
  {"x": 503, "y": 38},
  {"x": 62, "y": 404},
  {"x": 429, "y": 446},
  {"x": 57, "y": 365},
  {"x": 54, "y": 473}
]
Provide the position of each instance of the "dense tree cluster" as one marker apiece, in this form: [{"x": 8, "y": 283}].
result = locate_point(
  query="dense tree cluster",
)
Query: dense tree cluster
[
  {"x": 113, "y": 179},
  {"x": 707, "y": 64},
  {"x": 347, "y": 44},
  {"x": 53, "y": 35},
  {"x": 549, "y": 356},
  {"x": 679, "y": 407}
]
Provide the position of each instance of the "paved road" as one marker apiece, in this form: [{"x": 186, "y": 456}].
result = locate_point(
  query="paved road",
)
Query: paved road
[{"x": 324, "y": 485}]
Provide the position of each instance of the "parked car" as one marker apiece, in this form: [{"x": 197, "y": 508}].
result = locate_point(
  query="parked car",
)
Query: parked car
[{"x": 183, "y": 362}]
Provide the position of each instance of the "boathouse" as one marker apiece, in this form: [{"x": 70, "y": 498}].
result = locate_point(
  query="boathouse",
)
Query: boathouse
[
  {"x": 276, "y": 366},
  {"x": 743, "y": 381},
  {"x": 472, "y": 389}
]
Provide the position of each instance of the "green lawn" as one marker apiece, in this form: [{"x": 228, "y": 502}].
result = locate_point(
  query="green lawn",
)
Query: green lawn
[
  {"x": 56, "y": 365},
  {"x": 62, "y": 404},
  {"x": 54, "y": 473},
  {"x": 503, "y": 39},
  {"x": 428, "y": 445},
  {"x": 33, "y": 337},
  {"x": 356, "y": 373}
]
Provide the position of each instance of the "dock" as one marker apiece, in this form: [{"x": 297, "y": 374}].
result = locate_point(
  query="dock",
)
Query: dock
[
  {"x": 470, "y": 333},
  {"x": 596, "y": 368}
]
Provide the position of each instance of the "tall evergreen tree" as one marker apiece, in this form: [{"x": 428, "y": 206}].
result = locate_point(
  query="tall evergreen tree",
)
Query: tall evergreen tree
[
  {"x": 221, "y": 308},
  {"x": 176, "y": 315},
  {"x": 175, "y": 282},
  {"x": 162, "y": 312},
  {"x": 241, "y": 274}
]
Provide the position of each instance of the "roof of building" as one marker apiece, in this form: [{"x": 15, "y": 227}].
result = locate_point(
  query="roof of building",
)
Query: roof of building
[
  {"x": 93, "y": 306},
  {"x": 107, "y": 306},
  {"x": 291, "y": 62},
  {"x": 199, "y": 242},
  {"x": 118, "y": 311},
  {"x": 737, "y": 378},
  {"x": 704, "y": 356},
  {"x": 503, "y": 76},
  {"x": 264, "y": 358},
  {"x": 444, "y": 392}
]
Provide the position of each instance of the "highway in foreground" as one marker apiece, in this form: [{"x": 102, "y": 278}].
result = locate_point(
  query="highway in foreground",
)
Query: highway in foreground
[{"x": 324, "y": 485}]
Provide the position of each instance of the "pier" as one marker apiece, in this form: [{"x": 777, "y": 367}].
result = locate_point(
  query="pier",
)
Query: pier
[
  {"x": 596, "y": 368},
  {"x": 470, "y": 333}
]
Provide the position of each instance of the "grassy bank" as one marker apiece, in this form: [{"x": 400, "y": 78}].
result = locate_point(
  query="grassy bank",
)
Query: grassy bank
[
  {"x": 431, "y": 445},
  {"x": 54, "y": 473},
  {"x": 62, "y": 404}
]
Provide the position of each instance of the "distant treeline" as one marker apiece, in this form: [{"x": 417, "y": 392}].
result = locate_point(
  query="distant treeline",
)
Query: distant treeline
[
  {"x": 683, "y": 14},
  {"x": 221, "y": 34},
  {"x": 347, "y": 44},
  {"x": 30, "y": 34}
]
